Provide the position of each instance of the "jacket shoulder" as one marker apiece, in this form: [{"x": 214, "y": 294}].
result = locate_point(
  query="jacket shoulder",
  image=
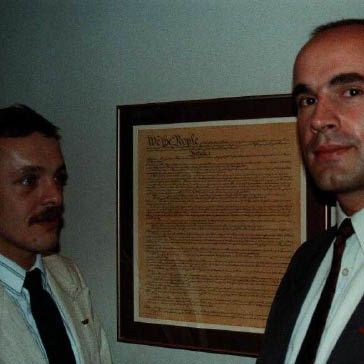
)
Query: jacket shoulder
[
  {"x": 63, "y": 269},
  {"x": 312, "y": 248}
]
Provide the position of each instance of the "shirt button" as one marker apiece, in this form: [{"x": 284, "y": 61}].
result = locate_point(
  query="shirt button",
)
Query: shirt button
[{"x": 345, "y": 271}]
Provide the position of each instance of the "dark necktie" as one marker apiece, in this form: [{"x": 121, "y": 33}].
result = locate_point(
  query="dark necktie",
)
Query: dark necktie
[
  {"x": 49, "y": 321},
  {"x": 311, "y": 341}
]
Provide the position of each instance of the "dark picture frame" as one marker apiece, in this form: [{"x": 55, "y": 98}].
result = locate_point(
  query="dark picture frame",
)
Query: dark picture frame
[{"x": 318, "y": 218}]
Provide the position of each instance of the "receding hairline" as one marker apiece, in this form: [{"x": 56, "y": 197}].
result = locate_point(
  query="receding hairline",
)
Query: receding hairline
[
  {"x": 335, "y": 25},
  {"x": 11, "y": 144},
  {"x": 341, "y": 26},
  {"x": 334, "y": 31}
]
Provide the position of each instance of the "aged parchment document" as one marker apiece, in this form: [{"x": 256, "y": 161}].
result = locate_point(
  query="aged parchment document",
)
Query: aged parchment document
[{"x": 217, "y": 211}]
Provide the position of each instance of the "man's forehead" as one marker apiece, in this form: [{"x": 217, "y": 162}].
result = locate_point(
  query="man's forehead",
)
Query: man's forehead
[
  {"x": 34, "y": 149},
  {"x": 340, "y": 50},
  {"x": 339, "y": 36},
  {"x": 34, "y": 140}
]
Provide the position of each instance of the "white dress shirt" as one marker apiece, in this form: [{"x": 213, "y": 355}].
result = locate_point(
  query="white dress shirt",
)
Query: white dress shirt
[
  {"x": 349, "y": 291},
  {"x": 12, "y": 277}
]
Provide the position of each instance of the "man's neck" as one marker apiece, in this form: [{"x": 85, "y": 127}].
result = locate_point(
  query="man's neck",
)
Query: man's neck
[
  {"x": 23, "y": 258},
  {"x": 351, "y": 202}
]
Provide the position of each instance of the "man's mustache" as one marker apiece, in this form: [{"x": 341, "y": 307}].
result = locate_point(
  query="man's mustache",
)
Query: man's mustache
[{"x": 48, "y": 214}]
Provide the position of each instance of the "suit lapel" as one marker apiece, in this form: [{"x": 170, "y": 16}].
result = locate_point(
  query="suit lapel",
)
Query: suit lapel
[
  {"x": 306, "y": 272},
  {"x": 352, "y": 337},
  {"x": 17, "y": 344},
  {"x": 67, "y": 296}
]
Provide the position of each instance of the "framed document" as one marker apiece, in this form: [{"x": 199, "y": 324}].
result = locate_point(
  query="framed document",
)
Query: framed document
[{"x": 212, "y": 203}]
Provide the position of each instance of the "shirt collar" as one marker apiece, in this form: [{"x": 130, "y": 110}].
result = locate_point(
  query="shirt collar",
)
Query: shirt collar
[
  {"x": 357, "y": 220},
  {"x": 38, "y": 264},
  {"x": 12, "y": 275}
]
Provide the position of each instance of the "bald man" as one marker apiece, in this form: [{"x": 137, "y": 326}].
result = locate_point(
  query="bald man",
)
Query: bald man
[{"x": 304, "y": 325}]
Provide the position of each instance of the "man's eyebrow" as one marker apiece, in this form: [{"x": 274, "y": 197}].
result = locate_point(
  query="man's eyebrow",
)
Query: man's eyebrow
[
  {"x": 62, "y": 169},
  {"x": 30, "y": 169},
  {"x": 299, "y": 89},
  {"x": 340, "y": 79},
  {"x": 37, "y": 169},
  {"x": 345, "y": 78},
  {"x": 63, "y": 166}
]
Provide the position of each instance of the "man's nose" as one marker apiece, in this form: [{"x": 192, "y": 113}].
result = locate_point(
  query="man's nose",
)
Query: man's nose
[
  {"x": 52, "y": 192},
  {"x": 324, "y": 117}
]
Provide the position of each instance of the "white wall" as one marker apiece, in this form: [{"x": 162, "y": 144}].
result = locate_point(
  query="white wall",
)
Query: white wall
[{"x": 74, "y": 61}]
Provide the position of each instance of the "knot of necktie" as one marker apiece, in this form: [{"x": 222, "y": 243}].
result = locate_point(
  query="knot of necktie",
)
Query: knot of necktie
[
  {"x": 346, "y": 229},
  {"x": 33, "y": 280}
]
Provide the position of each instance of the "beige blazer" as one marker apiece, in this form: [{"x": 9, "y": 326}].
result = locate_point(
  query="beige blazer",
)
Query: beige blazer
[{"x": 17, "y": 345}]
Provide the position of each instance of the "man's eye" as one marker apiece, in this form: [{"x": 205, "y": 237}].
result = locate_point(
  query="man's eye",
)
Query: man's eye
[
  {"x": 352, "y": 92},
  {"x": 304, "y": 101},
  {"x": 28, "y": 180},
  {"x": 61, "y": 179}
]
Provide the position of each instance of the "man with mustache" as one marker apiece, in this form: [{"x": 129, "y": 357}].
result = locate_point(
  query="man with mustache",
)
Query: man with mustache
[
  {"x": 45, "y": 309},
  {"x": 318, "y": 313}
]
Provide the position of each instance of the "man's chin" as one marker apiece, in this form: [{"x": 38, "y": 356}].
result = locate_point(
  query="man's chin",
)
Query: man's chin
[
  {"x": 53, "y": 250},
  {"x": 48, "y": 242},
  {"x": 327, "y": 179},
  {"x": 50, "y": 247},
  {"x": 335, "y": 183}
]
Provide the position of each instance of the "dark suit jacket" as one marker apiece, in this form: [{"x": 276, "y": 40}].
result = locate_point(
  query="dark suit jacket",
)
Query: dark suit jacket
[{"x": 289, "y": 299}]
